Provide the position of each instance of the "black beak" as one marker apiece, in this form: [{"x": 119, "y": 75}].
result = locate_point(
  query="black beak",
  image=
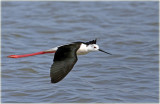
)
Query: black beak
[{"x": 104, "y": 51}]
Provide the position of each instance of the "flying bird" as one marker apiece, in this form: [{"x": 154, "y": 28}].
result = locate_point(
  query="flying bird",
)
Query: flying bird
[{"x": 65, "y": 57}]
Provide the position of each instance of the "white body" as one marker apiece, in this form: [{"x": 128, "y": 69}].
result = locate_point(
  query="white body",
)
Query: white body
[
  {"x": 84, "y": 49},
  {"x": 52, "y": 49}
]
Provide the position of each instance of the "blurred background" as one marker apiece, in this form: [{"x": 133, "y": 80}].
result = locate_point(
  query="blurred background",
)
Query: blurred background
[{"x": 128, "y": 30}]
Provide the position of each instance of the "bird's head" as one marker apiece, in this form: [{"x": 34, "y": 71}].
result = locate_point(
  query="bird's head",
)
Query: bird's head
[{"x": 95, "y": 47}]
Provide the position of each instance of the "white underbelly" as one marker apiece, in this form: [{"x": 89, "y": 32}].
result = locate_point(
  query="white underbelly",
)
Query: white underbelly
[
  {"x": 82, "y": 50},
  {"x": 81, "y": 53}
]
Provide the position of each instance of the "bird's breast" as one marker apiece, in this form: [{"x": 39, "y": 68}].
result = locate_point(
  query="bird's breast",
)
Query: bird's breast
[
  {"x": 82, "y": 50},
  {"x": 79, "y": 52}
]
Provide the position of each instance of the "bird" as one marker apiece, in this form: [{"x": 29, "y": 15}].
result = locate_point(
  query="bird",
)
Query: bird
[{"x": 65, "y": 57}]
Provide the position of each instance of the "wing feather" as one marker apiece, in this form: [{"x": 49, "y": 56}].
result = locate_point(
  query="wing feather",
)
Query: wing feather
[
  {"x": 64, "y": 60},
  {"x": 91, "y": 42}
]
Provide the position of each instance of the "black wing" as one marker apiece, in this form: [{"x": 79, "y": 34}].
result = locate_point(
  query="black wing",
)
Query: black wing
[
  {"x": 64, "y": 60},
  {"x": 91, "y": 42}
]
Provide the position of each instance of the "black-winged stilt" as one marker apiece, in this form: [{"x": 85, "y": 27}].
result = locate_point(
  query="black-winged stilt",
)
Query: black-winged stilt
[{"x": 65, "y": 57}]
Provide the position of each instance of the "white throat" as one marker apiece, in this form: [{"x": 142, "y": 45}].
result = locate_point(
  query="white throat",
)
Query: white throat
[{"x": 82, "y": 50}]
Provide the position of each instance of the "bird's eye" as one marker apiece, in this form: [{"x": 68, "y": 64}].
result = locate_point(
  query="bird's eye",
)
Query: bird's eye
[{"x": 94, "y": 47}]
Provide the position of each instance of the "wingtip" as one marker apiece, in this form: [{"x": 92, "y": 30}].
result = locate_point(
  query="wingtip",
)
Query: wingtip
[
  {"x": 95, "y": 40},
  {"x": 54, "y": 81}
]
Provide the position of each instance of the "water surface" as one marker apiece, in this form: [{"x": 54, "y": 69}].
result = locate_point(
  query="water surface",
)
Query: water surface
[{"x": 128, "y": 30}]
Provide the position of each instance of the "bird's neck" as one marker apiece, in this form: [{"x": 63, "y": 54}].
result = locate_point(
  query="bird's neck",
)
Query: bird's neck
[{"x": 82, "y": 50}]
